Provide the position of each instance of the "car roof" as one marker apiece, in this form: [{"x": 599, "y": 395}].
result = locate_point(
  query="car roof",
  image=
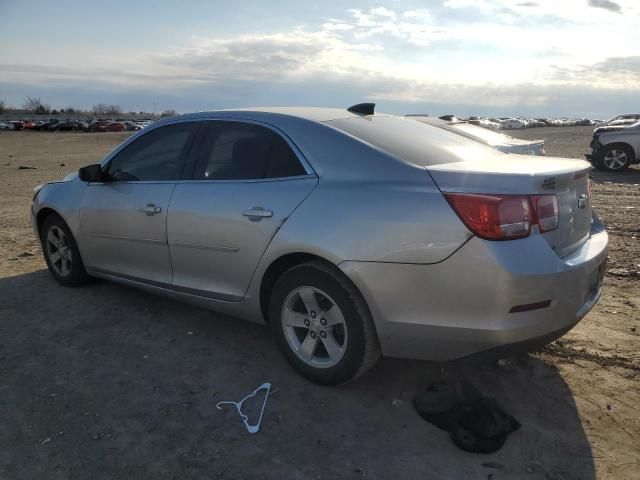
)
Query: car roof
[
  {"x": 344, "y": 145},
  {"x": 315, "y": 114}
]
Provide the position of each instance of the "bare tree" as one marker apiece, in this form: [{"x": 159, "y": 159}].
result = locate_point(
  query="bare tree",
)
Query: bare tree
[
  {"x": 35, "y": 105},
  {"x": 3, "y": 106},
  {"x": 99, "y": 109},
  {"x": 115, "y": 110},
  {"x": 169, "y": 113},
  {"x": 104, "y": 109}
]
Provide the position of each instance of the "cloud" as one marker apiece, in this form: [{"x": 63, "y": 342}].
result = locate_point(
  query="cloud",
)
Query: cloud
[
  {"x": 239, "y": 70},
  {"x": 418, "y": 14},
  {"x": 337, "y": 26},
  {"x": 492, "y": 54},
  {"x": 613, "y": 72},
  {"x": 383, "y": 12},
  {"x": 606, "y": 4}
]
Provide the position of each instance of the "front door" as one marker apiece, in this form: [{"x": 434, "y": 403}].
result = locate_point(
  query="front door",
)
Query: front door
[
  {"x": 123, "y": 219},
  {"x": 245, "y": 182}
]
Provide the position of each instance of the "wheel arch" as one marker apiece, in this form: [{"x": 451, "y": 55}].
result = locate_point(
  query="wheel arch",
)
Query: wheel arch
[
  {"x": 275, "y": 270},
  {"x": 42, "y": 216},
  {"x": 285, "y": 262},
  {"x": 625, "y": 145}
]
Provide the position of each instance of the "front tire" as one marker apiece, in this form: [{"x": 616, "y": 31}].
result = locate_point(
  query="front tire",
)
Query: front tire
[
  {"x": 322, "y": 324},
  {"x": 616, "y": 158},
  {"x": 61, "y": 253}
]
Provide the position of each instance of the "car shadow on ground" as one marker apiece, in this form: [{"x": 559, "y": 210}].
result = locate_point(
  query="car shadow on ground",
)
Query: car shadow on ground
[
  {"x": 110, "y": 382},
  {"x": 629, "y": 176}
]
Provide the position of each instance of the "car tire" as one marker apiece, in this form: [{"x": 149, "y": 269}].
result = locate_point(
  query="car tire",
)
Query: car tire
[
  {"x": 61, "y": 253},
  {"x": 615, "y": 158},
  {"x": 328, "y": 351}
]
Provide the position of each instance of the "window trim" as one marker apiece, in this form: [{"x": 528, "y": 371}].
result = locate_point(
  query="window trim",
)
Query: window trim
[
  {"x": 310, "y": 173},
  {"x": 189, "y": 163}
]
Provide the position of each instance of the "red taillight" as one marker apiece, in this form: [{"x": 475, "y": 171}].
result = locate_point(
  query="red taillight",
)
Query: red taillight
[{"x": 505, "y": 217}]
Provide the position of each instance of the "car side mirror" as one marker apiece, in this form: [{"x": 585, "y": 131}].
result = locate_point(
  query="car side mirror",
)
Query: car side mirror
[{"x": 91, "y": 173}]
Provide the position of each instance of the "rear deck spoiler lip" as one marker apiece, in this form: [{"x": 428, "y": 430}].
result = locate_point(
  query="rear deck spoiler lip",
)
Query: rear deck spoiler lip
[
  {"x": 574, "y": 166},
  {"x": 460, "y": 178}
]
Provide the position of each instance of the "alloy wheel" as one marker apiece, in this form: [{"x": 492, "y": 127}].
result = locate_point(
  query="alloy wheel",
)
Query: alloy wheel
[
  {"x": 615, "y": 159},
  {"x": 59, "y": 251},
  {"x": 314, "y": 327}
]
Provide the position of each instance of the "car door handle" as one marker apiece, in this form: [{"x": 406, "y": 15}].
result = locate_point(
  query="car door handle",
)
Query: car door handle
[
  {"x": 150, "y": 209},
  {"x": 257, "y": 213}
]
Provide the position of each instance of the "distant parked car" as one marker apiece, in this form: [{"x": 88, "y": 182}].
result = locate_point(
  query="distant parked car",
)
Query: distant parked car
[
  {"x": 106, "y": 126},
  {"x": 485, "y": 122},
  {"x": 614, "y": 148},
  {"x": 132, "y": 126},
  {"x": 4, "y": 126},
  {"x": 584, "y": 122},
  {"x": 68, "y": 126},
  {"x": 497, "y": 140},
  {"x": 622, "y": 120},
  {"x": 534, "y": 122},
  {"x": 44, "y": 125},
  {"x": 513, "y": 123},
  {"x": 116, "y": 127}
]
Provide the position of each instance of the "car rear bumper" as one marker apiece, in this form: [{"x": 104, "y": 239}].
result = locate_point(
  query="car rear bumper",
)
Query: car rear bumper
[{"x": 465, "y": 304}]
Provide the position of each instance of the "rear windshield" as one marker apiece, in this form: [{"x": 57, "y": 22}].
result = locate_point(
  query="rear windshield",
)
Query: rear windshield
[{"x": 408, "y": 139}]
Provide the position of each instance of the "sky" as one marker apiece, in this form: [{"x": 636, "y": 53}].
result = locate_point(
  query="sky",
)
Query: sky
[{"x": 578, "y": 58}]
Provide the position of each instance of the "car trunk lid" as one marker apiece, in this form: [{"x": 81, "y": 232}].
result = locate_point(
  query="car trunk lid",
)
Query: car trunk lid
[{"x": 522, "y": 175}]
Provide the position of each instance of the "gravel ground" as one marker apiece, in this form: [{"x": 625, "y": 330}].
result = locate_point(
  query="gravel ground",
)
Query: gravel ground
[{"x": 109, "y": 382}]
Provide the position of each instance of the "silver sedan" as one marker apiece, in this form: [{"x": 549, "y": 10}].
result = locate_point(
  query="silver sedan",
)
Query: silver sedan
[{"x": 351, "y": 234}]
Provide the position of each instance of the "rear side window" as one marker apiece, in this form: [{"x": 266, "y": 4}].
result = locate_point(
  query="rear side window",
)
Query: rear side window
[
  {"x": 408, "y": 139},
  {"x": 157, "y": 155},
  {"x": 243, "y": 151}
]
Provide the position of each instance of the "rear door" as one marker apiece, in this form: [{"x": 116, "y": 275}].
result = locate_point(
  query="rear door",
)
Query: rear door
[
  {"x": 123, "y": 219},
  {"x": 245, "y": 180}
]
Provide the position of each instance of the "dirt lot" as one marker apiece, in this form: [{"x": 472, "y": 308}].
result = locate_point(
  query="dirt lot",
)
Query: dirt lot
[{"x": 109, "y": 382}]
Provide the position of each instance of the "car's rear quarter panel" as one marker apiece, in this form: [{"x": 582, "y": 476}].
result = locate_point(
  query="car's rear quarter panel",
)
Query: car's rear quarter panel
[{"x": 367, "y": 205}]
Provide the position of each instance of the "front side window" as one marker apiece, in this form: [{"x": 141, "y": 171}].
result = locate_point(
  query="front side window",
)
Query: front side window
[
  {"x": 243, "y": 151},
  {"x": 156, "y": 156}
]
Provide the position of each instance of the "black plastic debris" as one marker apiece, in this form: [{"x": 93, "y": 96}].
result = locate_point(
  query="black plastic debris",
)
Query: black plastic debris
[{"x": 475, "y": 423}]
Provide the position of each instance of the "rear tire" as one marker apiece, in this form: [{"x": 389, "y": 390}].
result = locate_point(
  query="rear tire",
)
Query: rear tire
[
  {"x": 616, "y": 158},
  {"x": 61, "y": 253},
  {"x": 322, "y": 324}
]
